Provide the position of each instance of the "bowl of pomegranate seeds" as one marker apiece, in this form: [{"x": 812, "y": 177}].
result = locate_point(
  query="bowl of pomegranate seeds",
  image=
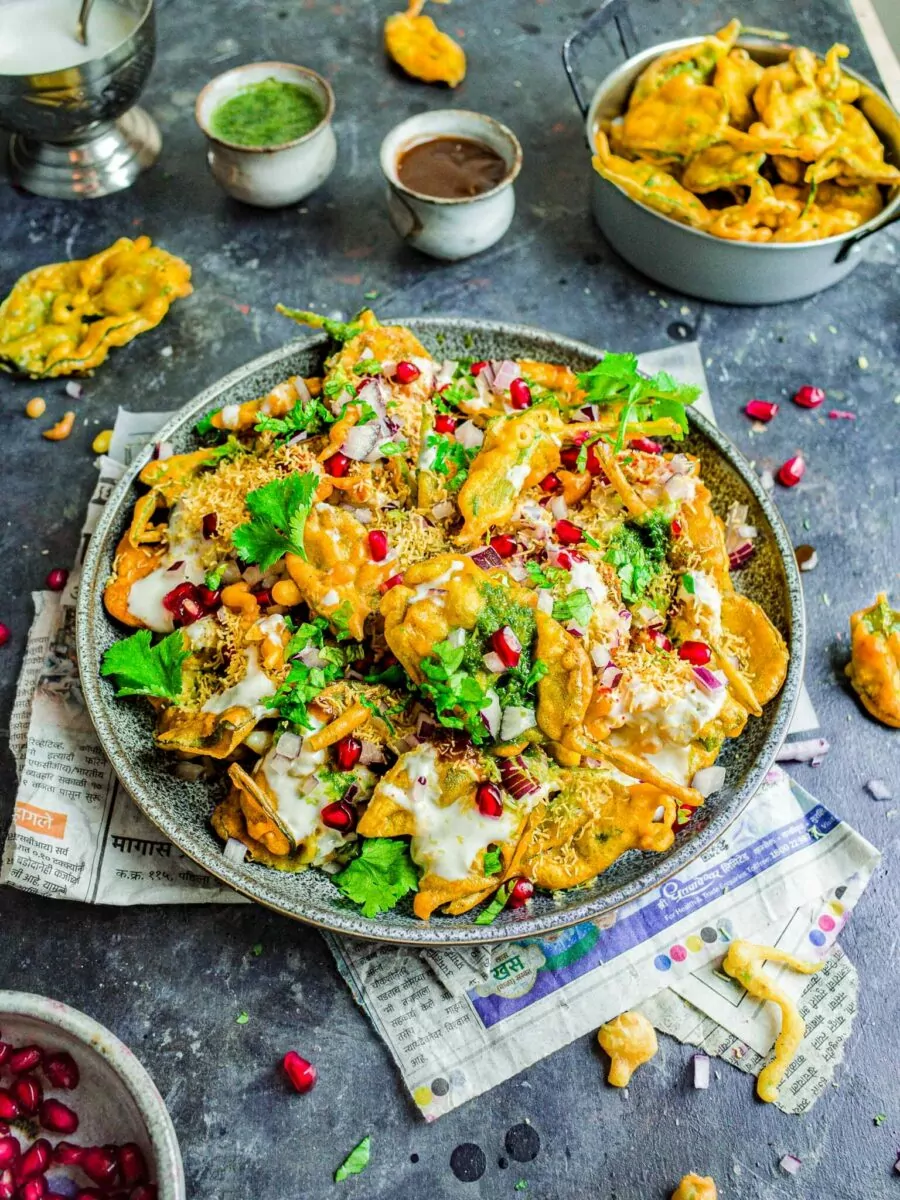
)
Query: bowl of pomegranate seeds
[
  {"x": 442, "y": 631},
  {"x": 80, "y": 1118}
]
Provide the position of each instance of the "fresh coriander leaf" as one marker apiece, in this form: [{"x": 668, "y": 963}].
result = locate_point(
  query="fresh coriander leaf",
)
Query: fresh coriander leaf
[
  {"x": 204, "y": 426},
  {"x": 303, "y": 683},
  {"x": 536, "y": 674},
  {"x": 340, "y": 619},
  {"x": 278, "y": 512},
  {"x": 392, "y": 449},
  {"x": 341, "y": 331},
  {"x": 592, "y": 542},
  {"x": 213, "y": 579},
  {"x": 139, "y": 669},
  {"x": 306, "y": 416},
  {"x": 356, "y": 1161},
  {"x": 637, "y": 550},
  {"x": 257, "y": 949},
  {"x": 492, "y": 864},
  {"x": 382, "y": 874},
  {"x": 489, "y": 915},
  {"x": 367, "y": 366},
  {"x": 575, "y": 607},
  {"x": 451, "y": 459},
  {"x": 521, "y": 1186},
  {"x": 242, "y": 1018},
  {"x": 545, "y": 577},
  {"x": 687, "y": 582},
  {"x": 617, "y": 380},
  {"x": 456, "y": 694},
  {"x": 879, "y": 1118}
]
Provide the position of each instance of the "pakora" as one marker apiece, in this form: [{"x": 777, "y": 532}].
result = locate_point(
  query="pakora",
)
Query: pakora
[
  {"x": 874, "y": 667},
  {"x": 425, "y": 52}
]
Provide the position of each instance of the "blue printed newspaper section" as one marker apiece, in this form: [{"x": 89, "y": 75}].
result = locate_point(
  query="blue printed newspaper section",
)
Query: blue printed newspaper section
[{"x": 667, "y": 906}]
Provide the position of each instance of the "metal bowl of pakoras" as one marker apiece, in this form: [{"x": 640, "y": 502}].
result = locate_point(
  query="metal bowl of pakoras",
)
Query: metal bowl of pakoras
[{"x": 738, "y": 169}]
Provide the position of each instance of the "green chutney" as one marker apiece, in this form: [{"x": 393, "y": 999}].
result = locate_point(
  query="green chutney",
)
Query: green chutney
[{"x": 268, "y": 113}]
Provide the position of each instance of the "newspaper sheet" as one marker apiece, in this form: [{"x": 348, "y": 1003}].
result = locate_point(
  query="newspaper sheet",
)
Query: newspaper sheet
[{"x": 460, "y": 1021}]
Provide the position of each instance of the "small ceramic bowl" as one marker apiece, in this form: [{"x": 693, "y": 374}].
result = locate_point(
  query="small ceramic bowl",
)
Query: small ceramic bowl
[
  {"x": 270, "y": 176},
  {"x": 451, "y": 228},
  {"x": 116, "y": 1100}
]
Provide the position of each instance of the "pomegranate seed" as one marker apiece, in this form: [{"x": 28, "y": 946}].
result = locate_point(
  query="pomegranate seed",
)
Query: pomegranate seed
[
  {"x": 25, "y": 1059},
  {"x": 684, "y": 814},
  {"x": 521, "y": 893},
  {"x": 791, "y": 472},
  {"x": 761, "y": 410},
  {"x": 145, "y": 1191},
  {"x": 263, "y": 597},
  {"x": 504, "y": 545},
  {"x": 809, "y": 397},
  {"x": 33, "y": 1189},
  {"x": 35, "y": 1160},
  {"x": 302, "y": 1074},
  {"x": 568, "y": 534},
  {"x": 184, "y": 603},
  {"x": 89, "y": 1194},
  {"x": 390, "y": 583},
  {"x": 444, "y": 423},
  {"x": 56, "y": 579},
  {"x": 569, "y": 456},
  {"x": 67, "y": 1154},
  {"x": 99, "y": 1163},
  {"x": 9, "y": 1106},
  {"x": 208, "y": 598},
  {"x": 339, "y": 816},
  {"x": 378, "y": 545},
  {"x": 406, "y": 372},
  {"x": 506, "y": 646},
  {"x": 697, "y": 654},
  {"x": 61, "y": 1070},
  {"x": 519, "y": 394},
  {"x": 4, "y": 634},
  {"x": 338, "y": 465},
  {"x": 567, "y": 559},
  {"x": 5, "y": 1052},
  {"x": 4, "y": 1129},
  {"x": 348, "y": 751},
  {"x": 7, "y": 1185},
  {"x": 646, "y": 444},
  {"x": 132, "y": 1164},
  {"x": 210, "y": 524},
  {"x": 551, "y": 483},
  {"x": 489, "y": 800},
  {"x": 477, "y": 367},
  {"x": 58, "y": 1117},
  {"x": 10, "y": 1149},
  {"x": 676, "y": 527},
  {"x": 29, "y": 1093},
  {"x": 659, "y": 639}
]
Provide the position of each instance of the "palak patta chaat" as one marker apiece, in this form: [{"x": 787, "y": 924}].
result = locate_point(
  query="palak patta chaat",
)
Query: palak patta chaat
[
  {"x": 713, "y": 139},
  {"x": 460, "y": 629}
]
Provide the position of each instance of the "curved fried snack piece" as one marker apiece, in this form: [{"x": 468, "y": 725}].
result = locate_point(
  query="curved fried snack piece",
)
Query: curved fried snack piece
[
  {"x": 338, "y": 575},
  {"x": 276, "y": 403},
  {"x": 737, "y": 77},
  {"x": 64, "y": 318},
  {"x": 230, "y": 819},
  {"x": 874, "y": 667},
  {"x": 630, "y": 1040},
  {"x": 675, "y": 121},
  {"x": 592, "y": 821},
  {"x": 130, "y": 564},
  {"x": 703, "y": 534},
  {"x": 564, "y": 693},
  {"x": 260, "y": 811},
  {"x": 696, "y": 1187},
  {"x": 696, "y": 62},
  {"x": 792, "y": 106},
  {"x": 832, "y": 81},
  {"x": 753, "y": 220},
  {"x": 744, "y": 963},
  {"x": 518, "y": 451},
  {"x": 722, "y": 166},
  {"x": 416, "y": 44},
  {"x": 765, "y": 661},
  {"x": 651, "y": 185},
  {"x": 836, "y": 210},
  {"x": 213, "y": 734},
  {"x": 856, "y": 155}
]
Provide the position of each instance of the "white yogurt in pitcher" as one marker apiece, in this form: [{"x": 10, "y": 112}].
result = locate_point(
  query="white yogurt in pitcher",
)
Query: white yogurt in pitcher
[{"x": 37, "y": 36}]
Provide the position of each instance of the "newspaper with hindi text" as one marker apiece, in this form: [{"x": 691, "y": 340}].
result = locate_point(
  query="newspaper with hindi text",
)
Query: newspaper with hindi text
[{"x": 460, "y": 1021}]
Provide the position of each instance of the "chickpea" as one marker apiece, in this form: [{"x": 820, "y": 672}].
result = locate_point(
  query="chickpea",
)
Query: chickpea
[{"x": 36, "y": 407}]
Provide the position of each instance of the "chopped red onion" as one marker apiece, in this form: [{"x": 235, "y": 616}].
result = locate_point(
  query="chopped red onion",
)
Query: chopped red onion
[
  {"x": 486, "y": 557},
  {"x": 681, "y": 464},
  {"x": 708, "y": 780},
  {"x": 252, "y": 574},
  {"x": 649, "y": 617},
  {"x": 443, "y": 510},
  {"x": 163, "y": 450},
  {"x": 75, "y": 390},
  {"x": 767, "y": 479},
  {"x": 740, "y": 555},
  {"x": 841, "y": 414},
  {"x": 289, "y": 744},
  {"x": 298, "y": 438},
  {"x": 494, "y": 663},
  {"x": 701, "y": 1070},
  {"x": 610, "y": 676},
  {"x": 503, "y": 374},
  {"x": 590, "y": 412},
  {"x": 491, "y": 714},
  {"x": 310, "y": 657},
  {"x": 516, "y": 778},
  {"x": 231, "y": 573},
  {"x": 373, "y": 394},
  {"x": 361, "y": 441},
  {"x": 445, "y": 372},
  {"x": 659, "y": 815},
  {"x": 351, "y": 792},
  {"x": 811, "y": 750},
  {"x": 456, "y": 638},
  {"x": 791, "y": 1164},
  {"x": 559, "y": 508},
  {"x": 545, "y": 600},
  {"x": 679, "y": 487},
  {"x": 469, "y": 435},
  {"x": 600, "y": 657},
  {"x": 707, "y": 680},
  {"x": 309, "y": 784},
  {"x": 234, "y": 850},
  {"x": 516, "y": 720},
  {"x": 483, "y": 387},
  {"x": 303, "y": 393},
  {"x": 370, "y": 753},
  {"x": 879, "y": 790}
]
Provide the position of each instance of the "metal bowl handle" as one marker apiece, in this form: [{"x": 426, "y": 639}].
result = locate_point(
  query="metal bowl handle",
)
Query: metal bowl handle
[
  {"x": 852, "y": 243},
  {"x": 609, "y": 10}
]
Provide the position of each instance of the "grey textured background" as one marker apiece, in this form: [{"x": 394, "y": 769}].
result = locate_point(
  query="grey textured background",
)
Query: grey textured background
[{"x": 171, "y": 981}]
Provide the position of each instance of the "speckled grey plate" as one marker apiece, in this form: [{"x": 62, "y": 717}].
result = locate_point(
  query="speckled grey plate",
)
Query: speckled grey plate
[{"x": 182, "y": 809}]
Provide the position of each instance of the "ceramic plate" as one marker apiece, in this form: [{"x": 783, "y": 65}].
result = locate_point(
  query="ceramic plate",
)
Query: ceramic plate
[{"x": 181, "y": 809}]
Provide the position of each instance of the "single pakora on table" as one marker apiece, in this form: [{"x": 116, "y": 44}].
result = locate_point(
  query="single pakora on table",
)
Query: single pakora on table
[
  {"x": 715, "y": 140},
  {"x": 444, "y": 630},
  {"x": 425, "y": 52},
  {"x": 64, "y": 318},
  {"x": 874, "y": 667}
]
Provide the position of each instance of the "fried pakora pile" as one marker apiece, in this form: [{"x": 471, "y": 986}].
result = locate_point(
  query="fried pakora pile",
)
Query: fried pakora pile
[
  {"x": 779, "y": 154},
  {"x": 64, "y": 318},
  {"x": 457, "y": 628}
]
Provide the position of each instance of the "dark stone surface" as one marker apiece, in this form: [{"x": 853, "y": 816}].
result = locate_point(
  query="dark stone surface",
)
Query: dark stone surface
[{"x": 170, "y": 982}]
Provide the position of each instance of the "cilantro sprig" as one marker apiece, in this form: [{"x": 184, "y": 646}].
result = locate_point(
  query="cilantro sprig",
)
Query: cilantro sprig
[
  {"x": 306, "y": 416},
  {"x": 575, "y": 607},
  {"x": 138, "y": 668},
  {"x": 637, "y": 550},
  {"x": 278, "y": 512},
  {"x": 304, "y": 683},
  {"x": 451, "y": 459},
  {"x": 458, "y": 697},
  {"x": 341, "y": 331},
  {"x": 380, "y": 876},
  {"x": 617, "y": 380}
]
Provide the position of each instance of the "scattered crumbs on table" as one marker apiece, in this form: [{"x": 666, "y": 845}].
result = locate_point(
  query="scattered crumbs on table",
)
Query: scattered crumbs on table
[
  {"x": 356, "y": 1161},
  {"x": 663, "y": 303},
  {"x": 242, "y": 1018},
  {"x": 806, "y": 522},
  {"x": 521, "y": 1185},
  {"x": 256, "y": 949},
  {"x": 685, "y": 310},
  {"x": 879, "y": 1119},
  {"x": 166, "y": 352},
  {"x": 863, "y": 363},
  {"x": 812, "y": 337},
  {"x": 651, "y": 292},
  {"x": 370, "y": 295},
  {"x": 826, "y": 600},
  {"x": 709, "y": 363},
  {"x": 878, "y": 789},
  {"x": 807, "y": 558},
  {"x": 832, "y": 328}
]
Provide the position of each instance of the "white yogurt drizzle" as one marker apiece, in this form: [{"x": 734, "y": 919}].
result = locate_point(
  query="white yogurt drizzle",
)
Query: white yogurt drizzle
[{"x": 252, "y": 688}]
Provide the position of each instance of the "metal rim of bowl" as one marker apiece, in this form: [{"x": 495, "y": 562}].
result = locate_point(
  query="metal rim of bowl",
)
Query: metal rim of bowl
[
  {"x": 653, "y": 52},
  {"x": 120, "y": 1059},
  {"x": 90, "y": 596}
]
